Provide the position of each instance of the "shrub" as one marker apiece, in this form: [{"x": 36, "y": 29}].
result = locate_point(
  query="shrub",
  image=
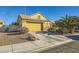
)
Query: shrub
[
  {"x": 52, "y": 29},
  {"x": 62, "y": 30}
]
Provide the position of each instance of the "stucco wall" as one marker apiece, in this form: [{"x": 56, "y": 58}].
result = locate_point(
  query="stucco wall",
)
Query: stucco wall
[{"x": 46, "y": 26}]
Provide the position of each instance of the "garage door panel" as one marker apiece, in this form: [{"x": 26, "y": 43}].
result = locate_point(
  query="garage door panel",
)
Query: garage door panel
[{"x": 33, "y": 26}]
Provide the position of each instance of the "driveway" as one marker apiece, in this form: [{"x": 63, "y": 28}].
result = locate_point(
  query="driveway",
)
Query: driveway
[
  {"x": 19, "y": 43},
  {"x": 72, "y": 47}
]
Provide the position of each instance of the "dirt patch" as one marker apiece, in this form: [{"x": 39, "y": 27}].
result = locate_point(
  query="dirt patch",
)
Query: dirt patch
[{"x": 7, "y": 39}]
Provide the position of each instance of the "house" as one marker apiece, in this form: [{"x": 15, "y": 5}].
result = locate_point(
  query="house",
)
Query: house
[
  {"x": 13, "y": 28},
  {"x": 1, "y": 23},
  {"x": 2, "y": 26},
  {"x": 35, "y": 22}
]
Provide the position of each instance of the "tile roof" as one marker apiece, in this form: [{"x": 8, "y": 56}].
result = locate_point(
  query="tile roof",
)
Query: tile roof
[
  {"x": 29, "y": 17},
  {"x": 24, "y": 16}
]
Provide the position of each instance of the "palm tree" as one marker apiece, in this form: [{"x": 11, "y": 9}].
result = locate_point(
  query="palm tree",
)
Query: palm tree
[{"x": 68, "y": 22}]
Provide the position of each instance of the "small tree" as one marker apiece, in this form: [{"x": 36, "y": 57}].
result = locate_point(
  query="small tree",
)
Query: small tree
[{"x": 15, "y": 23}]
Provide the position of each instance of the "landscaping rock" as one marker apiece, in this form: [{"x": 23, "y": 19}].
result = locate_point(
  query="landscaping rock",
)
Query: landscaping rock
[{"x": 31, "y": 37}]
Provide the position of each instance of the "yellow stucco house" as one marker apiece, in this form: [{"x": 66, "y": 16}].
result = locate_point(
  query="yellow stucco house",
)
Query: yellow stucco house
[{"x": 35, "y": 22}]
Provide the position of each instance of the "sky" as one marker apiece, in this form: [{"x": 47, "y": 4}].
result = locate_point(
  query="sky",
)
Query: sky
[{"x": 10, "y": 14}]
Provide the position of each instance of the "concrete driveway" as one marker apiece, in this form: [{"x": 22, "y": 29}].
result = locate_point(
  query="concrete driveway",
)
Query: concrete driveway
[{"x": 46, "y": 42}]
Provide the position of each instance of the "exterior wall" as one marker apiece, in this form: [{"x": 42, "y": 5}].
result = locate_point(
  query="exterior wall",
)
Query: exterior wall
[
  {"x": 23, "y": 23},
  {"x": 46, "y": 25}
]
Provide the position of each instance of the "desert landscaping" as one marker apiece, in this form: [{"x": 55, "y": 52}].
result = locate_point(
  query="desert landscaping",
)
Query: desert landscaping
[{"x": 10, "y": 38}]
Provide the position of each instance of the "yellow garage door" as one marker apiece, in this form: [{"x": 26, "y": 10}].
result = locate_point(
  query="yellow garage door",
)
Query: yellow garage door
[{"x": 33, "y": 26}]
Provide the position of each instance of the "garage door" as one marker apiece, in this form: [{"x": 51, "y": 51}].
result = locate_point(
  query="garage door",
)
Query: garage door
[{"x": 33, "y": 26}]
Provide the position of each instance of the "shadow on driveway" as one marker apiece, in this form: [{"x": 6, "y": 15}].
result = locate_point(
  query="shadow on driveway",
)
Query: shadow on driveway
[
  {"x": 73, "y": 37},
  {"x": 49, "y": 32}
]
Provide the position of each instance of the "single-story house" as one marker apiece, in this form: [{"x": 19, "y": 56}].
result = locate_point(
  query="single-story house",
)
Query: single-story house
[{"x": 35, "y": 22}]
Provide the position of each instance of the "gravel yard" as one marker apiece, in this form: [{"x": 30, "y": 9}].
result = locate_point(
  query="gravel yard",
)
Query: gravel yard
[{"x": 11, "y": 38}]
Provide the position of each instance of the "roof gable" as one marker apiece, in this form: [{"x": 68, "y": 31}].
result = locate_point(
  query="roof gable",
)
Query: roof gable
[
  {"x": 24, "y": 16},
  {"x": 38, "y": 16}
]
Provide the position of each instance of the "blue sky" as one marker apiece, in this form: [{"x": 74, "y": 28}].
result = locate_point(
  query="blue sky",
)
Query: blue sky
[{"x": 10, "y": 13}]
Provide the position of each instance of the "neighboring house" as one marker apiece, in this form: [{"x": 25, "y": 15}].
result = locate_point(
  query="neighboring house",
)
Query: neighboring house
[
  {"x": 35, "y": 22},
  {"x": 3, "y": 27},
  {"x": 13, "y": 28},
  {"x": 1, "y": 23}
]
